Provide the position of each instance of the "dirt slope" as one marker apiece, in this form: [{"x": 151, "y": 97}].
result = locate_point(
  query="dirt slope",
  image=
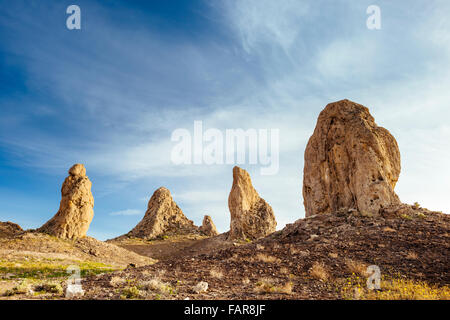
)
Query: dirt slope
[{"x": 41, "y": 246}]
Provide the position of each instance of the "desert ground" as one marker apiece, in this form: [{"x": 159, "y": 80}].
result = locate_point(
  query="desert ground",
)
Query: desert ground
[{"x": 321, "y": 257}]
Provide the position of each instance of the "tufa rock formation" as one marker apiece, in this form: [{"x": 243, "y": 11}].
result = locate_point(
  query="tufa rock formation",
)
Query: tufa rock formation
[
  {"x": 251, "y": 216},
  {"x": 350, "y": 162},
  {"x": 208, "y": 227},
  {"x": 163, "y": 217},
  {"x": 76, "y": 208}
]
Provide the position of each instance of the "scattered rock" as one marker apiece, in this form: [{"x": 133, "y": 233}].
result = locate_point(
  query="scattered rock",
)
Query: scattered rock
[
  {"x": 208, "y": 227},
  {"x": 76, "y": 208},
  {"x": 251, "y": 216},
  {"x": 163, "y": 218},
  {"x": 350, "y": 162}
]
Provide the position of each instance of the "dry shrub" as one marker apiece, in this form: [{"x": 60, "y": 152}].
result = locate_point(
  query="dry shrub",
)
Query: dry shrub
[
  {"x": 259, "y": 247},
  {"x": 157, "y": 285},
  {"x": 117, "y": 281},
  {"x": 412, "y": 256},
  {"x": 319, "y": 271},
  {"x": 266, "y": 258},
  {"x": 356, "y": 267},
  {"x": 266, "y": 286},
  {"x": 131, "y": 293}
]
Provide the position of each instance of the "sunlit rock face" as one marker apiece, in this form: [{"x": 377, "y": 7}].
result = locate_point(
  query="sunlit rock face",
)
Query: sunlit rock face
[
  {"x": 251, "y": 216},
  {"x": 76, "y": 209},
  {"x": 163, "y": 217},
  {"x": 350, "y": 162}
]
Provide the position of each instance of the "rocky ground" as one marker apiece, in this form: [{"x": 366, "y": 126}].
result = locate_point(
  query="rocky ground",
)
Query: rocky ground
[{"x": 321, "y": 257}]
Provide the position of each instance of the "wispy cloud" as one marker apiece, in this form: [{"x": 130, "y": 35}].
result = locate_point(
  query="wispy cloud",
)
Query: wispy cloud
[{"x": 127, "y": 212}]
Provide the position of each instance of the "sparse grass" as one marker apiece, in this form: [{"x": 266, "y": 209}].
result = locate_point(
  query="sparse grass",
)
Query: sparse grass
[
  {"x": 51, "y": 287},
  {"x": 266, "y": 258},
  {"x": 421, "y": 215},
  {"x": 117, "y": 281},
  {"x": 158, "y": 286},
  {"x": 266, "y": 286},
  {"x": 49, "y": 268},
  {"x": 319, "y": 272},
  {"x": 394, "y": 289},
  {"x": 22, "y": 288},
  {"x": 406, "y": 217},
  {"x": 29, "y": 287},
  {"x": 131, "y": 293}
]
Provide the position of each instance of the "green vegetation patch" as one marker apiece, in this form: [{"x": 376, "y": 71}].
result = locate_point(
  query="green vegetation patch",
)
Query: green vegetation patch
[{"x": 38, "y": 269}]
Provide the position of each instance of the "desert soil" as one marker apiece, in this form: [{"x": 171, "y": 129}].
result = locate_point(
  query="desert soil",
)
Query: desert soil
[
  {"x": 320, "y": 257},
  {"x": 314, "y": 258}
]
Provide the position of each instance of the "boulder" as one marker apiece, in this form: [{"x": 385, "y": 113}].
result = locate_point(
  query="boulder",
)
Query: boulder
[
  {"x": 76, "y": 208},
  {"x": 163, "y": 218},
  {"x": 350, "y": 162},
  {"x": 208, "y": 227},
  {"x": 251, "y": 216}
]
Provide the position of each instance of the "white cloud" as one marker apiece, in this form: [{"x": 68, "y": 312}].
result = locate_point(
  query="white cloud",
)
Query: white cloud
[
  {"x": 127, "y": 212},
  {"x": 266, "y": 22}
]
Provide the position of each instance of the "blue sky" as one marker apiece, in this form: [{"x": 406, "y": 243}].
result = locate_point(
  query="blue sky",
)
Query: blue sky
[{"x": 110, "y": 95}]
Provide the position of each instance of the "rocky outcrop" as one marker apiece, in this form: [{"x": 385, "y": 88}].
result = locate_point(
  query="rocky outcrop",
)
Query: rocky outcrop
[
  {"x": 76, "y": 208},
  {"x": 9, "y": 229},
  {"x": 251, "y": 216},
  {"x": 163, "y": 218},
  {"x": 208, "y": 227},
  {"x": 350, "y": 162}
]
